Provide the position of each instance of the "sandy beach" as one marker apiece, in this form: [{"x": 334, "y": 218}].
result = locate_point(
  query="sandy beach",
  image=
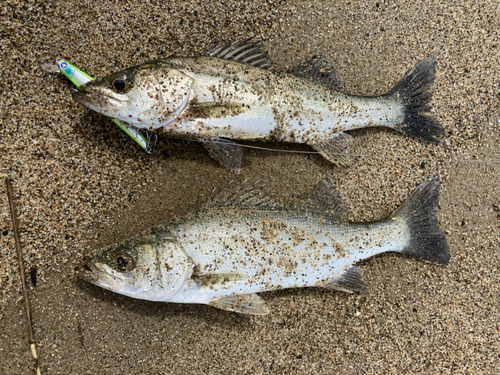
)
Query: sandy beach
[{"x": 80, "y": 183}]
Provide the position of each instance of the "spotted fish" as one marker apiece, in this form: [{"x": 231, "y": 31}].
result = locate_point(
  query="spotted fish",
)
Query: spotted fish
[
  {"x": 233, "y": 93},
  {"x": 245, "y": 243}
]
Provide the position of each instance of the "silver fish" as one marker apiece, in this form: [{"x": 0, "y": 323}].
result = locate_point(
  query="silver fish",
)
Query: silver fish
[
  {"x": 232, "y": 93},
  {"x": 245, "y": 244}
]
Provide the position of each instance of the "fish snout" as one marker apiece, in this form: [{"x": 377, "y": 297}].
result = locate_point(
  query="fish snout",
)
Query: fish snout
[{"x": 81, "y": 98}]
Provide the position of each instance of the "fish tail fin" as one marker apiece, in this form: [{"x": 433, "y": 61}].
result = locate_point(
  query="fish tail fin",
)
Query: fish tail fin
[
  {"x": 411, "y": 92},
  {"x": 427, "y": 241}
]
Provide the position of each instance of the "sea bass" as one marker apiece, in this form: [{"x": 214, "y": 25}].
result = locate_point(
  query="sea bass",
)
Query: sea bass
[
  {"x": 232, "y": 92},
  {"x": 245, "y": 243}
]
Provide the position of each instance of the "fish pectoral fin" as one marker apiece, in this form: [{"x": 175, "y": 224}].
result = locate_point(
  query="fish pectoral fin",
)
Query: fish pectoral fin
[
  {"x": 217, "y": 279},
  {"x": 350, "y": 281},
  {"x": 335, "y": 149},
  {"x": 226, "y": 152},
  {"x": 243, "y": 303},
  {"x": 207, "y": 110},
  {"x": 323, "y": 199}
]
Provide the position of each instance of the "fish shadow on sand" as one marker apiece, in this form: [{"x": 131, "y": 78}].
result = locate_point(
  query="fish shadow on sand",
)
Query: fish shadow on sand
[
  {"x": 166, "y": 310},
  {"x": 99, "y": 131}
]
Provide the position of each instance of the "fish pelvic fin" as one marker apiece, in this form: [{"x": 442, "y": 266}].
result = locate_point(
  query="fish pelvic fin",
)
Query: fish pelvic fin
[
  {"x": 427, "y": 241},
  {"x": 243, "y": 303},
  {"x": 227, "y": 153},
  {"x": 412, "y": 92}
]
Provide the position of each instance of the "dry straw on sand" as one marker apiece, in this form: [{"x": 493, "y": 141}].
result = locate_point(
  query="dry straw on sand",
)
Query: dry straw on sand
[{"x": 21, "y": 271}]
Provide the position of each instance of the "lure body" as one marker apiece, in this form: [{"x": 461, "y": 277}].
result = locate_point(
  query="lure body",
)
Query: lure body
[{"x": 78, "y": 78}]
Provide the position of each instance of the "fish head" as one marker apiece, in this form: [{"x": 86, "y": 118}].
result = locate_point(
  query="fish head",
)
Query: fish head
[
  {"x": 147, "y": 271},
  {"x": 146, "y": 96}
]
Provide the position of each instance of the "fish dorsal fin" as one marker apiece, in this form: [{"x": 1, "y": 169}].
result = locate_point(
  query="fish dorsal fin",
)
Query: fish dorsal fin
[
  {"x": 243, "y": 303},
  {"x": 350, "y": 281},
  {"x": 323, "y": 200},
  {"x": 244, "y": 51},
  {"x": 319, "y": 68},
  {"x": 246, "y": 195},
  {"x": 224, "y": 151}
]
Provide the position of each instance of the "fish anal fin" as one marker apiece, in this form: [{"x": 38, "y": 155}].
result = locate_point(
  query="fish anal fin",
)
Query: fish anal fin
[
  {"x": 319, "y": 68},
  {"x": 335, "y": 149},
  {"x": 243, "y": 303},
  {"x": 244, "y": 51},
  {"x": 350, "y": 281},
  {"x": 227, "y": 153},
  {"x": 323, "y": 199}
]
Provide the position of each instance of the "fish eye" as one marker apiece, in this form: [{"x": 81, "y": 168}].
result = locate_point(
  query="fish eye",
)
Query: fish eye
[
  {"x": 119, "y": 84},
  {"x": 122, "y": 261}
]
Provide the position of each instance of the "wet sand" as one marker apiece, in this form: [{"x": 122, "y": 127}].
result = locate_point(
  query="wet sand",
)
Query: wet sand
[{"x": 81, "y": 183}]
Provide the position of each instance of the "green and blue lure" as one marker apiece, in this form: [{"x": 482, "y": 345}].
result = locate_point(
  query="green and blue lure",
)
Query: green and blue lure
[{"x": 78, "y": 78}]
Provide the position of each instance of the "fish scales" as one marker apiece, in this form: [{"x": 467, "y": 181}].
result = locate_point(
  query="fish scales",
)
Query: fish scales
[
  {"x": 221, "y": 98},
  {"x": 245, "y": 243},
  {"x": 279, "y": 248},
  {"x": 278, "y": 106}
]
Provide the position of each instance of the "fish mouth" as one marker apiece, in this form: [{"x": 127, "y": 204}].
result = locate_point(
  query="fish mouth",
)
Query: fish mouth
[
  {"x": 91, "y": 270},
  {"x": 84, "y": 100},
  {"x": 87, "y": 272},
  {"x": 99, "y": 102},
  {"x": 96, "y": 274}
]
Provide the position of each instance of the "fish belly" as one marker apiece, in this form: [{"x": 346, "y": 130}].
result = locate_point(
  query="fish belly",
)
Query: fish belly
[{"x": 276, "y": 250}]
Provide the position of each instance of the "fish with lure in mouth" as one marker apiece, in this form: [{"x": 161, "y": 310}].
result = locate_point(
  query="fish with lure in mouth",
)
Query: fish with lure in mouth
[
  {"x": 245, "y": 243},
  {"x": 232, "y": 93}
]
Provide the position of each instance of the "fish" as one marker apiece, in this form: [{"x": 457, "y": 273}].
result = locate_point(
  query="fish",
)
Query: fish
[
  {"x": 244, "y": 243},
  {"x": 233, "y": 92}
]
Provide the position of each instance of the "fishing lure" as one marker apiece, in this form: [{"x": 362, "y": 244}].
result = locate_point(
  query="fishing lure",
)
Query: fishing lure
[{"x": 78, "y": 78}]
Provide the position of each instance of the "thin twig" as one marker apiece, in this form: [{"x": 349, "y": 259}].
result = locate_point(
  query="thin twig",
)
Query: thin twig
[
  {"x": 80, "y": 333},
  {"x": 21, "y": 271}
]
